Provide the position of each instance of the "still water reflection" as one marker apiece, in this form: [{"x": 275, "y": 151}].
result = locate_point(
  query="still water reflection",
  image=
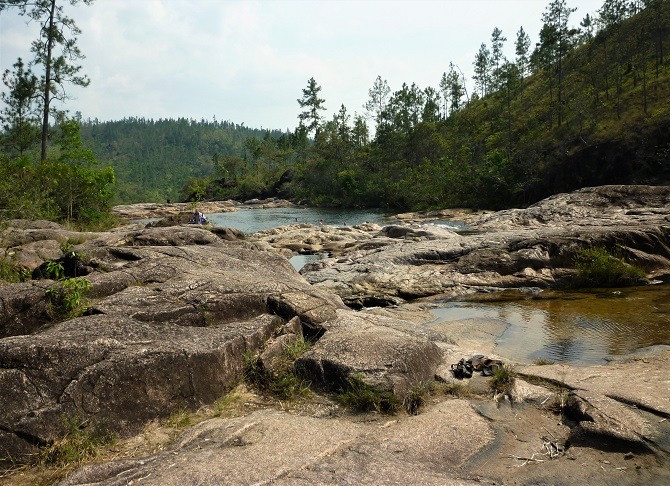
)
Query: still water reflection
[
  {"x": 577, "y": 327},
  {"x": 251, "y": 220}
]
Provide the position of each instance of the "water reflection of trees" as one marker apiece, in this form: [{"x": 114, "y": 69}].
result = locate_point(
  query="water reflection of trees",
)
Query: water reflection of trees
[{"x": 589, "y": 326}]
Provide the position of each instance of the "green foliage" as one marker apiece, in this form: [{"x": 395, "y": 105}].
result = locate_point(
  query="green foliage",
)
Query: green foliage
[
  {"x": 69, "y": 187},
  {"x": 285, "y": 385},
  {"x": 80, "y": 443},
  {"x": 154, "y": 160},
  {"x": 19, "y": 116},
  {"x": 253, "y": 370},
  {"x": 10, "y": 272},
  {"x": 358, "y": 395},
  {"x": 598, "y": 267},
  {"x": 67, "y": 298},
  {"x": 55, "y": 270},
  {"x": 296, "y": 348}
]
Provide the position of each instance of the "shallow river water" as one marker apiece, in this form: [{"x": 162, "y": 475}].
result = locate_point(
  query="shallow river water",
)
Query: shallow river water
[
  {"x": 579, "y": 328},
  {"x": 569, "y": 327}
]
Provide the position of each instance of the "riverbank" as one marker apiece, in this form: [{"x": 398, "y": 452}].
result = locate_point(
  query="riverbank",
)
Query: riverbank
[{"x": 175, "y": 315}]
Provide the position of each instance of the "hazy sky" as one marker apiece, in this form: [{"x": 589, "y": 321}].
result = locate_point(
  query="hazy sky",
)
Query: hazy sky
[{"x": 248, "y": 61}]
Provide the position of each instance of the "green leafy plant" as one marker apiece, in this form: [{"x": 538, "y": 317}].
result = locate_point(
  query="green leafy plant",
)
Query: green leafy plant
[
  {"x": 55, "y": 270},
  {"x": 358, "y": 395},
  {"x": 66, "y": 298},
  {"x": 597, "y": 267}
]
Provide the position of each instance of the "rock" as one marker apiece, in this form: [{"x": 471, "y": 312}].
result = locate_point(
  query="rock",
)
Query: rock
[
  {"x": 168, "y": 328},
  {"x": 533, "y": 247},
  {"x": 281, "y": 448},
  {"x": 616, "y": 403},
  {"x": 117, "y": 370},
  {"x": 474, "y": 335},
  {"x": 381, "y": 351},
  {"x": 172, "y": 313},
  {"x": 309, "y": 239},
  {"x": 156, "y": 210}
]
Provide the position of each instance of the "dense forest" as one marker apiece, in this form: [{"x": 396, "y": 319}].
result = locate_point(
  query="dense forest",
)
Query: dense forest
[
  {"x": 154, "y": 159},
  {"x": 585, "y": 105}
]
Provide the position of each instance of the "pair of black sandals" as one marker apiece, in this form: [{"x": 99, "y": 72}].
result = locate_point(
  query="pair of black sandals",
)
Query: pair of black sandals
[{"x": 464, "y": 368}]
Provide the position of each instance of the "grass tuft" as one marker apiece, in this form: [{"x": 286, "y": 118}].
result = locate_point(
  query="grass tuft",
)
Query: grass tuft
[
  {"x": 179, "y": 419},
  {"x": 281, "y": 382},
  {"x": 503, "y": 379},
  {"x": 81, "y": 442},
  {"x": 358, "y": 395}
]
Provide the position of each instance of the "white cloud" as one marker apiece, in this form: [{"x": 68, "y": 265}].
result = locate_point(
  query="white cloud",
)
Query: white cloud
[{"x": 248, "y": 61}]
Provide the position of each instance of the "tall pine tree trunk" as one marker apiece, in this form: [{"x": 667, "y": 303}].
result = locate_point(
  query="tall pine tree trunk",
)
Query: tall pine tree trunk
[{"x": 47, "y": 81}]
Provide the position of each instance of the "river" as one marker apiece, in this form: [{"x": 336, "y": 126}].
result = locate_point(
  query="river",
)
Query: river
[{"x": 580, "y": 328}]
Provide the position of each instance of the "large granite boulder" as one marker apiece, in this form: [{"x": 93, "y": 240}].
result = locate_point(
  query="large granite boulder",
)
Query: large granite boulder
[
  {"x": 385, "y": 353},
  {"x": 172, "y": 313},
  {"x": 115, "y": 370}
]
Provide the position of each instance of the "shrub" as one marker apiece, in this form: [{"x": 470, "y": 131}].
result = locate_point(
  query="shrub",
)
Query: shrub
[
  {"x": 66, "y": 298},
  {"x": 598, "y": 267},
  {"x": 10, "y": 272}
]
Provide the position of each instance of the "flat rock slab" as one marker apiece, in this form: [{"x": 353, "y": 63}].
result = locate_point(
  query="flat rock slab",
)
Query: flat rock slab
[
  {"x": 627, "y": 401},
  {"x": 270, "y": 447}
]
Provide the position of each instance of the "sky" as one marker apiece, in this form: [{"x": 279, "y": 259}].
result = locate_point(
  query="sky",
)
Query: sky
[{"x": 248, "y": 61}]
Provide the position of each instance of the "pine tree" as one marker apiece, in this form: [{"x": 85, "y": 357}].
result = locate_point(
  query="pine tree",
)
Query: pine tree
[
  {"x": 19, "y": 117},
  {"x": 310, "y": 117},
  {"x": 53, "y": 50}
]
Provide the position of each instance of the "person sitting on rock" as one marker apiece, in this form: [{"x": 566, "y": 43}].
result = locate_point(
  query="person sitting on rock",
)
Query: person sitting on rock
[{"x": 197, "y": 217}]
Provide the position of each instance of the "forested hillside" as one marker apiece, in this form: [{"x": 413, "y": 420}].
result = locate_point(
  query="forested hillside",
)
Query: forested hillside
[
  {"x": 585, "y": 106},
  {"x": 154, "y": 159}
]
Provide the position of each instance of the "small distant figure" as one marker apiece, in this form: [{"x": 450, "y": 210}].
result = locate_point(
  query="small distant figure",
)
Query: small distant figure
[
  {"x": 197, "y": 217},
  {"x": 321, "y": 222},
  {"x": 168, "y": 200}
]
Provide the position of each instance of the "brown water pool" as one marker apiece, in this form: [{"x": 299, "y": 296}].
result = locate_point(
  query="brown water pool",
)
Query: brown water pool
[{"x": 581, "y": 328}]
